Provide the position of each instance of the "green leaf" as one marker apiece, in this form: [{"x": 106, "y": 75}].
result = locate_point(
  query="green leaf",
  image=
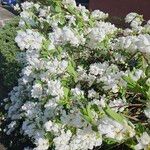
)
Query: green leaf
[
  {"x": 66, "y": 92},
  {"x": 131, "y": 143},
  {"x": 140, "y": 128},
  {"x": 147, "y": 72},
  {"x": 109, "y": 142},
  {"x": 130, "y": 81},
  {"x": 134, "y": 86},
  {"x": 144, "y": 63},
  {"x": 89, "y": 112},
  {"x": 57, "y": 8},
  {"x": 116, "y": 116},
  {"x": 87, "y": 115},
  {"x": 148, "y": 94},
  {"x": 71, "y": 71}
]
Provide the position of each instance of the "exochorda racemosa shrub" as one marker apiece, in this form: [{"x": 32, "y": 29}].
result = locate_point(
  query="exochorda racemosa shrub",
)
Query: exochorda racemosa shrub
[{"x": 85, "y": 82}]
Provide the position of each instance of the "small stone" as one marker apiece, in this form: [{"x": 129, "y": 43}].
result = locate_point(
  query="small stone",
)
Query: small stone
[{"x": 5, "y": 15}]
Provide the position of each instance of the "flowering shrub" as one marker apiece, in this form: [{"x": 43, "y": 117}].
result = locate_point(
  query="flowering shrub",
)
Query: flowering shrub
[{"x": 85, "y": 82}]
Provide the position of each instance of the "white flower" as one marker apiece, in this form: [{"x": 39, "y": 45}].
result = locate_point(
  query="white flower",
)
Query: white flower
[
  {"x": 28, "y": 128},
  {"x": 127, "y": 32},
  {"x": 135, "y": 20},
  {"x": 11, "y": 127},
  {"x": 73, "y": 118},
  {"x": 52, "y": 127},
  {"x": 55, "y": 88},
  {"x": 51, "y": 46},
  {"x": 77, "y": 92},
  {"x": 147, "y": 112},
  {"x": 85, "y": 139},
  {"x": 117, "y": 105},
  {"x": 17, "y": 7},
  {"x": 26, "y": 16},
  {"x": 27, "y": 5},
  {"x": 98, "y": 68},
  {"x": 113, "y": 129},
  {"x": 65, "y": 35},
  {"x": 36, "y": 6},
  {"x": 143, "y": 43},
  {"x": 30, "y": 108},
  {"x": 99, "y": 102},
  {"x": 48, "y": 126},
  {"x": 97, "y": 14},
  {"x": 102, "y": 101},
  {"x": 144, "y": 142},
  {"x": 92, "y": 94},
  {"x": 52, "y": 103},
  {"x": 42, "y": 144},
  {"x": 69, "y": 2},
  {"x": 98, "y": 33},
  {"x": 43, "y": 13},
  {"x": 56, "y": 66},
  {"x": 130, "y": 17},
  {"x": 111, "y": 85},
  {"x": 148, "y": 22},
  {"x": 135, "y": 24},
  {"x": 29, "y": 39},
  {"x": 71, "y": 18},
  {"x": 62, "y": 142},
  {"x": 137, "y": 75},
  {"x": 36, "y": 91},
  {"x": 127, "y": 43},
  {"x": 21, "y": 23},
  {"x": 69, "y": 36},
  {"x": 27, "y": 70},
  {"x": 82, "y": 75}
]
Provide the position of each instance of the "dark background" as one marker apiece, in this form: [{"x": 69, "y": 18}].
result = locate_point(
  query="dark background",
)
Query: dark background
[
  {"x": 121, "y": 8},
  {"x": 83, "y": 2}
]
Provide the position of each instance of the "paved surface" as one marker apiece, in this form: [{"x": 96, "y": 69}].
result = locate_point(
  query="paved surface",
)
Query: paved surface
[{"x": 5, "y": 15}]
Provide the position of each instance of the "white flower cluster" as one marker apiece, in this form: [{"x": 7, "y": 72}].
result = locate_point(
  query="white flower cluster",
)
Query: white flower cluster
[
  {"x": 97, "y": 14},
  {"x": 84, "y": 139},
  {"x": 29, "y": 39},
  {"x": 99, "y": 33},
  {"x": 144, "y": 142},
  {"x": 139, "y": 43},
  {"x": 104, "y": 73},
  {"x": 134, "y": 19},
  {"x": 80, "y": 78},
  {"x": 66, "y": 35},
  {"x": 114, "y": 130}
]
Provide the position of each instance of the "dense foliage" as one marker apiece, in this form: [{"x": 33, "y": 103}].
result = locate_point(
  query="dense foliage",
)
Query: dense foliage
[
  {"x": 9, "y": 66},
  {"x": 85, "y": 83}
]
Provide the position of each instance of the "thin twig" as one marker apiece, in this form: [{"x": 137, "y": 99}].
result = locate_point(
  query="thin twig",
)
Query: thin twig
[
  {"x": 133, "y": 118},
  {"x": 130, "y": 105}
]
